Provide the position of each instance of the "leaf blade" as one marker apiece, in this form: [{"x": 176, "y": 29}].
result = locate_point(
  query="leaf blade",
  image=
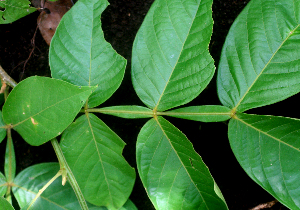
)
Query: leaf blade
[
  {"x": 40, "y": 108},
  {"x": 258, "y": 65},
  {"x": 173, "y": 174},
  {"x": 2, "y": 129},
  {"x": 171, "y": 64},
  {"x": 94, "y": 154},
  {"x": 14, "y": 10},
  {"x": 3, "y": 187},
  {"x": 265, "y": 146},
  {"x": 80, "y": 55},
  {"x": 5, "y": 205},
  {"x": 57, "y": 197}
]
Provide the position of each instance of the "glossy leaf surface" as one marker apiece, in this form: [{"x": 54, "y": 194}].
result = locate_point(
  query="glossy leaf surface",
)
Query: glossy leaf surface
[
  {"x": 40, "y": 108},
  {"x": 12, "y": 10},
  {"x": 56, "y": 197},
  {"x": 130, "y": 112},
  {"x": 80, "y": 55},
  {"x": 5, "y": 205},
  {"x": 202, "y": 113},
  {"x": 268, "y": 149},
  {"x": 260, "y": 59},
  {"x": 173, "y": 174},
  {"x": 2, "y": 130},
  {"x": 129, "y": 205},
  {"x": 94, "y": 154},
  {"x": 2, "y": 184},
  {"x": 171, "y": 64}
]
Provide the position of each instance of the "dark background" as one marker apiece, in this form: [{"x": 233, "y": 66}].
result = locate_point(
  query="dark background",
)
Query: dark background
[{"x": 120, "y": 23}]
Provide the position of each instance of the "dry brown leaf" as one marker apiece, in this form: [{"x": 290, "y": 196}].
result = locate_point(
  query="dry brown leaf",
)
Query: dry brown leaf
[{"x": 51, "y": 14}]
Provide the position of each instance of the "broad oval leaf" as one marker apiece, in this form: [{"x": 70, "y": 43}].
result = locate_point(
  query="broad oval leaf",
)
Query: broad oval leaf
[
  {"x": 2, "y": 129},
  {"x": 259, "y": 63},
  {"x": 5, "y": 205},
  {"x": 171, "y": 64},
  {"x": 40, "y": 108},
  {"x": 12, "y": 10},
  {"x": 173, "y": 174},
  {"x": 129, "y": 112},
  {"x": 80, "y": 55},
  {"x": 268, "y": 149},
  {"x": 207, "y": 113},
  {"x": 94, "y": 154},
  {"x": 3, "y": 186},
  {"x": 56, "y": 197}
]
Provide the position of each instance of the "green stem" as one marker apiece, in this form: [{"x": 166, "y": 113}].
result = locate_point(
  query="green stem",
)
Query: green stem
[
  {"x": 64, "y": 167},
  {"x": 10, "y": 164},
  {"x": 103, "y": 111}
]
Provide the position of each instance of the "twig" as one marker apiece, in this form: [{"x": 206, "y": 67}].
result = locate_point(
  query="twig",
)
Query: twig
[
  {"x": 5, "y": 78},
  {"x": 30, "y": 54},
  {"x": 265, "y": 205}
]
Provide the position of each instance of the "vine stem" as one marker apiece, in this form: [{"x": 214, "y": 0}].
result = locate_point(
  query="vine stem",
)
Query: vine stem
[{"x": 67, "y": 173}]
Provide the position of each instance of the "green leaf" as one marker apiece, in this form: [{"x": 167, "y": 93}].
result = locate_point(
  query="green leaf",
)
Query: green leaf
[
  {"x": 260, "y": 64},
  {"x": 209, "y": 113},
  {"x": 94, "y": 154},
  {"x": 129, "y": 112},
  {"x": 129, "y": 205},
  {"x": 3, "y": 186},
  {"x": 171, "y": 64},
  {"x": 5, "y": 205},
  {"x": 268, "y": 149},
  {"x": 80, "y": 55},
  {"x": 12, "y": 10},
  {"x": 40, "y": 108},
  {"x": 2, "y": 129},
  {"x": 173, "y": 174},
  {"x": 56, "y": 197}
]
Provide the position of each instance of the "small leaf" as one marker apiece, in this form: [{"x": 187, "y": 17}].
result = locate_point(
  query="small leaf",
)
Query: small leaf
[
  {"x": 12, "y": 10},
  {"x": 129, "y": 112},
  {"x": 80, "y": 55},
  {"x": 173, "y": 174},
  {"x": 56, "y": 197},
  {"x": 94, "y": 154},
  {"x": 5, "y": 205},
  {"x": 268, "y": 149},
  {"x": 171, "y": 64},
  {"x": 3, "y": 186},
  {"x": 259, "y": 63},
  {"x": 202, "y": 113},
  {"x": 40, "y": 108},
  {"x": 2, "y": 129}
]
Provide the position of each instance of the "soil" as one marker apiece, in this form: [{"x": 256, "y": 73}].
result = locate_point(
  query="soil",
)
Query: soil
[{"x": 120, "y": 22}]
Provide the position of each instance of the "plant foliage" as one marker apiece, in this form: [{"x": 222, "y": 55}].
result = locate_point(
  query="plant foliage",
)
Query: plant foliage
[
  {"x": 12, "y": 10},
  {"x": 171, "y": 66}
]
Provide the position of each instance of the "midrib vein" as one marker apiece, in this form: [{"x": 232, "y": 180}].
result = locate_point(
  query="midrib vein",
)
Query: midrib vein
[
  {"x": 266, "y": 133},
  {"x": 99, "y": 156},
  {"x": 167, "y": 82},
  {"x": 247, "y": 91},
  {"x": 14, "y": 125},
  {"x": 182, "y": 165}
]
